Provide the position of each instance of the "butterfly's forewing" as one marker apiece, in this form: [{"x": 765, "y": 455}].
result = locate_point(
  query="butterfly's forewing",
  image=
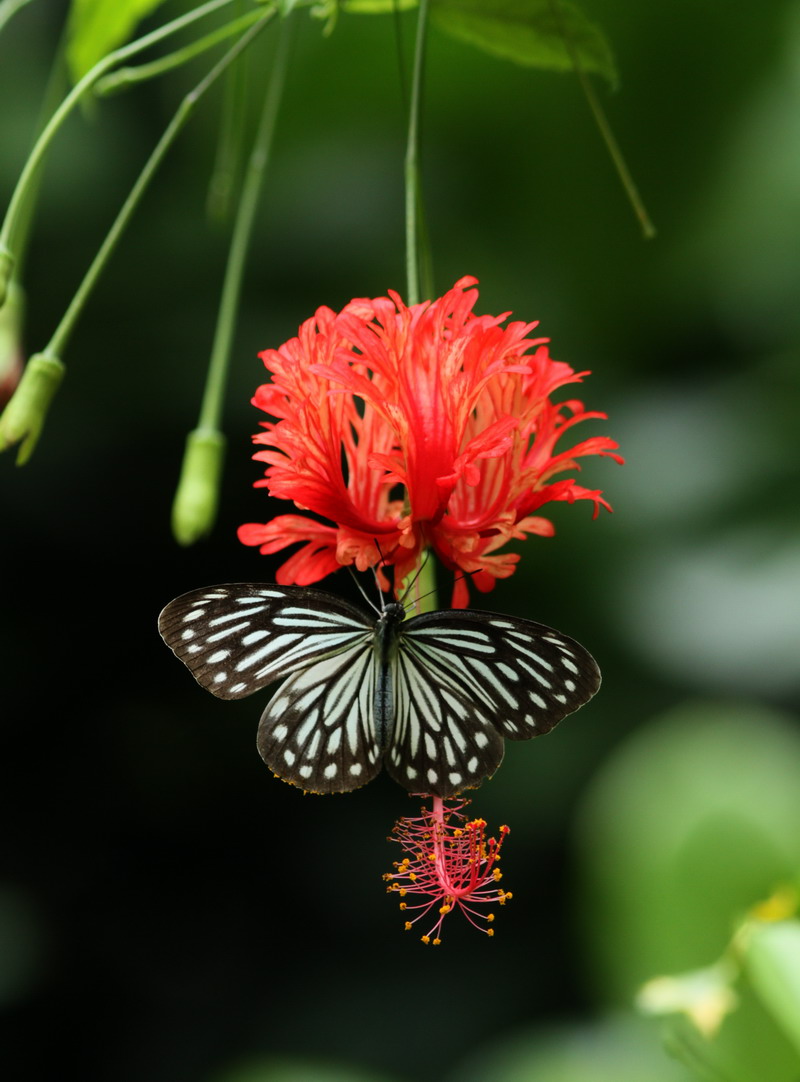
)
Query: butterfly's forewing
[
  {"x": 492, "y": 676},
  {"x": 318, "y": 731},
  {"x": 239, "y": 637}
]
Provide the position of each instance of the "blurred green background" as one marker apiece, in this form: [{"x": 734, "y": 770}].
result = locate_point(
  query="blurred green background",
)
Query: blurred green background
[{"x": 171, "y": 913}]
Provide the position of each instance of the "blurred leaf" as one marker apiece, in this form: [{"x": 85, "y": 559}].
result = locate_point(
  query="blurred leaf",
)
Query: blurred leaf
[
  {"x": 772, "y": 959},
  {"x": 529, "y": 32},
  {"x": 750, "y": 1047},
  {"x": 619, "y": 1048},
  {"x": 692, "y": 821},
  {"x": 534, "y": 33},
  {"x": 96, "y": 27},
  {"x": 280, "y": 1069}
]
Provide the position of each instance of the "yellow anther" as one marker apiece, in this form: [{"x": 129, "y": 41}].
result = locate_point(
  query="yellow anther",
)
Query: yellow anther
[
  {"x": 444, "y": 909},
  {"x": 402, "y": 905},
  {"x": 436, "y": 942},
  {"x": 490, "y": 931},
  {"x": 490, "y": 916},
  {"x": 407, "y": 926},
  {"x": 402, "y": 891},
  {"x": 426, "y": 939},
  {"x": 412, "y": 876},
  {"x": 497, "y": 875}
]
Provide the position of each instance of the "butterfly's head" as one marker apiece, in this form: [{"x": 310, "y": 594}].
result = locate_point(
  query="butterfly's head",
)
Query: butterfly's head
[{"x": 393, "y": 612}]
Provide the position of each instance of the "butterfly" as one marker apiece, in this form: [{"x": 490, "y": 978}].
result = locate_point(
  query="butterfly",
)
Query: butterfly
[{"x": 431, "y": 697}]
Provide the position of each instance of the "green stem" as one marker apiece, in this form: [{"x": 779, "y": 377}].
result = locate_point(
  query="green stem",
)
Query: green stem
[
  {"x": 54, "y": 91},
  {"x": 211, "y": 409},
  {"x": 632, "y": 192},
  {"x": 412, "y": 172},
  {"x": 224, "y": 180},
  {"x": 128, "y": 77},
  {"x": 9, "y": 8},
  {"x": 61, "y": 335},
  {"x": 8, "y": 233},
  {"x": 425, "y": 586}
]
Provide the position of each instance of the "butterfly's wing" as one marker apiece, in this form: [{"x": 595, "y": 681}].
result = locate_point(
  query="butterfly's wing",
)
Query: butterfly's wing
[
  {"x": 465, "y": 679},
  {"x": 318, "y": 731},
  {"x": 239, "y": 637}
]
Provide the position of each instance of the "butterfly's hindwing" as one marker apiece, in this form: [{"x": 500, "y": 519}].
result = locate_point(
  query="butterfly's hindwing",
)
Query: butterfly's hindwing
[
  {"x": 443, "y": 740},
  {"x": 239, "y": 637},
  {"x": 318, "y": 730}
]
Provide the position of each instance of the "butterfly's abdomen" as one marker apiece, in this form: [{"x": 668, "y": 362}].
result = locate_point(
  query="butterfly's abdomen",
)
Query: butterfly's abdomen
[{"x": 386, "y": 639}]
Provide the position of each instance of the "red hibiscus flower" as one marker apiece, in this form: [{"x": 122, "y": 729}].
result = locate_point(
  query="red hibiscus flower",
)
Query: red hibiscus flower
[{"x": 408, "y": 428}]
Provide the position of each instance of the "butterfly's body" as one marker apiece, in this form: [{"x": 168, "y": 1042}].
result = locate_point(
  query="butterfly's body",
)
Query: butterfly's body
[
  {"x": 387, "y": 633},
  {"x": 430, "y": 698}
]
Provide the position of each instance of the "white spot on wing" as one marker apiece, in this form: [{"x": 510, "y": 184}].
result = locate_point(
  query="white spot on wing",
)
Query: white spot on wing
[{"x": 334, "y": 740}]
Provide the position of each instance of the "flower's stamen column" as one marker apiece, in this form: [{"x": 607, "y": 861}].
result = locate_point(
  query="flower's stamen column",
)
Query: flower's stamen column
[{"x": 449, "y": 865}]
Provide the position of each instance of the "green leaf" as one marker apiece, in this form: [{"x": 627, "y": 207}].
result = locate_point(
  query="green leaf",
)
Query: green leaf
[
  {"x": 535, "y": 33},
  {"x": 772, "y": 960},
  {"x": 97, "y": 27}
]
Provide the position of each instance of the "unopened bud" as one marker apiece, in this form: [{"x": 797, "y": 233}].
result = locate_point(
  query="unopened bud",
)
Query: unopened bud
[
  {"x": 194, "y": 509},
  {"x": 23, "y": 418}
]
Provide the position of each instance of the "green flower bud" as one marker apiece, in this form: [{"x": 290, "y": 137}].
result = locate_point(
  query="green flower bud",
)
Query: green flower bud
[
  {"x": 194, "y": 509},
  {"x": 23, "y": 418}
]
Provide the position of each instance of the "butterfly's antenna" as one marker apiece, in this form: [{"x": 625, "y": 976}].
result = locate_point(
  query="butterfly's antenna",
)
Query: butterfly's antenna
[
  {"x": 362, "y": 591},
  {"x": 463, "y": 575},
  {"x": 385, "y": 563}
]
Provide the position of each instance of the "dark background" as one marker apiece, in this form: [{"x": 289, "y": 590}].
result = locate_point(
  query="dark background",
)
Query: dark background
[{"x": 169, "y": 912}]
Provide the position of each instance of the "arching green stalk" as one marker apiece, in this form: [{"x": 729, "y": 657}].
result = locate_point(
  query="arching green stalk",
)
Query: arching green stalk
[
  {"x": 15, "y": 213},
  {"x": 186, "y": 108},
  {"x": 195, "y": 505}
]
